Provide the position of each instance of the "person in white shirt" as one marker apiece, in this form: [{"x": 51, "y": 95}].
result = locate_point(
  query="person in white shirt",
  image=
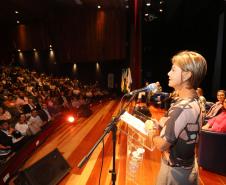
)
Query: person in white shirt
[
  {"x": 22, "y": 126},
  {"x": 35, "y": 119}
]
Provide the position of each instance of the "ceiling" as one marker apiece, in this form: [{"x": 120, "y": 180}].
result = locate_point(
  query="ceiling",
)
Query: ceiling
[
  {"x": 37, "y": 9},
  {"x": 30, "y": 10}
]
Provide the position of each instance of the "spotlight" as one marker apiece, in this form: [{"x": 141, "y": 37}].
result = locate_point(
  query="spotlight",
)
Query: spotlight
[{"x": 70, "y": 119}]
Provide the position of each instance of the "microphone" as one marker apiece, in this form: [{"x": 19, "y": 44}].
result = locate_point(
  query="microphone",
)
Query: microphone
[
  {"x": 153, "y": 87},
  {"x": 163, "y": 94}
]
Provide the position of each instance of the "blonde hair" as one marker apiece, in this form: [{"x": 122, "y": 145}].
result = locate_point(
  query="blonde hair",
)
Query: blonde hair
[{"x": 193, "y": 62}]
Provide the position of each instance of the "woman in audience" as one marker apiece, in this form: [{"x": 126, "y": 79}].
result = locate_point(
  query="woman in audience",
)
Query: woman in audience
[
  {"x": 217, "y": 107},
  {"x": 217, "y": 123}
]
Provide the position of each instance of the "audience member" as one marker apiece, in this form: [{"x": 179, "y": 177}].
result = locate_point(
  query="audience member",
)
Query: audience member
[
  {"x": 29, "y": 106},
  {"x": 202, "y": 100},
  {"x": 34, "y": 122},
  {"x": 4, "y": 114},
  {"x": 22, "y": 126},
  {"x": 44, "y": 113},
  {"x": 7, "y": 139},
  {"x": 217, "y": 107}
]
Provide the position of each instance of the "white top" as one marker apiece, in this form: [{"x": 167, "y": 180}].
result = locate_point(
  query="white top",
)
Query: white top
[{"x": 22, "y": 128}]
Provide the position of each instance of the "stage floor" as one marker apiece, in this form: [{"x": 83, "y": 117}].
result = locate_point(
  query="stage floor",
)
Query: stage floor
[{"x": 74, "y": 140}]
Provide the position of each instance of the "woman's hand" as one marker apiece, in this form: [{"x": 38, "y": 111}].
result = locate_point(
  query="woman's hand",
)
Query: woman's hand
[{"x": 150, "y": 125}]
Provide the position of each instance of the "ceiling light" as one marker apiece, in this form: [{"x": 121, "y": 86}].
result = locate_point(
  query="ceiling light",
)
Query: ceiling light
[
  {"x": 17, "y": 22},
  {"x": 127, "y": 6},
  {"x": 146, "y": 14},
  {"x": 16, "y": 12},
  {"x": 148, "y": 4},
  {"x": 34, "y": 49},
  {"x": 161, "y": 10},
  {"x": 19, "y": 50},
  {"x": 98, "y": 6}
]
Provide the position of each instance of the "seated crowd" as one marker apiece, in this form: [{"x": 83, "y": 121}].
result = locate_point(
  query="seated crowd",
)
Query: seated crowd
[
  {"x": 29, "y": 100},
  {"x": 215, "y": 119}
]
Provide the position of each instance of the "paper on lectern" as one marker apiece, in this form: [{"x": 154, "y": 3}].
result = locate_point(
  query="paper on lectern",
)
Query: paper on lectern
[{"x": 134, "y": 122}]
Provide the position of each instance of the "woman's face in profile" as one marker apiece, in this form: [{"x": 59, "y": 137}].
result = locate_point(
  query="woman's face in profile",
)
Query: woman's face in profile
[{"x": 175, "y": 75}]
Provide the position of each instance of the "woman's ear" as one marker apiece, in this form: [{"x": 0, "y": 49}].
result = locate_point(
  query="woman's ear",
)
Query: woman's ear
[{"x": 186, "y": 75}]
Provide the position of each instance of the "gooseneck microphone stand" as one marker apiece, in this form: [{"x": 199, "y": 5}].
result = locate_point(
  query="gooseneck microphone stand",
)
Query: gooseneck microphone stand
[{"x": 112, "y": 126}]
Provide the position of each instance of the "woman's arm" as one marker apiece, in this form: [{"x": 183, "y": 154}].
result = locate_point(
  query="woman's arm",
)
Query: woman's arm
[{"x": 160, "y": 143}]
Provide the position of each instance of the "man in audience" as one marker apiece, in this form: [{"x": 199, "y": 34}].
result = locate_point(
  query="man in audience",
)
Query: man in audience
[
  {"x": 34, "y": 122},
  {"x": 29, "y": 106},
  {"x": 44, "y": 113},
  {"x": 7, "y": 139},
  {"x": 217, "y": 107},
  {"x": 22, "y": 126}
]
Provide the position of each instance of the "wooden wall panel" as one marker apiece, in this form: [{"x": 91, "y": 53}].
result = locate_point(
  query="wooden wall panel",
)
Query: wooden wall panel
[{"x": 90, "y": 36}]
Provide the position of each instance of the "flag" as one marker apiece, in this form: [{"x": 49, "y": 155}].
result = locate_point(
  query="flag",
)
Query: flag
[{"x": 126, "y": 80}]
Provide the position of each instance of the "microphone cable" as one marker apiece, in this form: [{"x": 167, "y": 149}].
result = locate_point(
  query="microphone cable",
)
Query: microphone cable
[{"x": 102, "y": 162}]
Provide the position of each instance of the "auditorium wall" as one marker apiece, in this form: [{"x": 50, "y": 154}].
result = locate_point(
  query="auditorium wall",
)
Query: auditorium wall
[{"x": 68, "y": 37}]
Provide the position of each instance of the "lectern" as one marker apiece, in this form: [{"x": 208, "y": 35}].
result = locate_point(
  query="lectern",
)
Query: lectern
[{"x": 138, "y": 141}]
